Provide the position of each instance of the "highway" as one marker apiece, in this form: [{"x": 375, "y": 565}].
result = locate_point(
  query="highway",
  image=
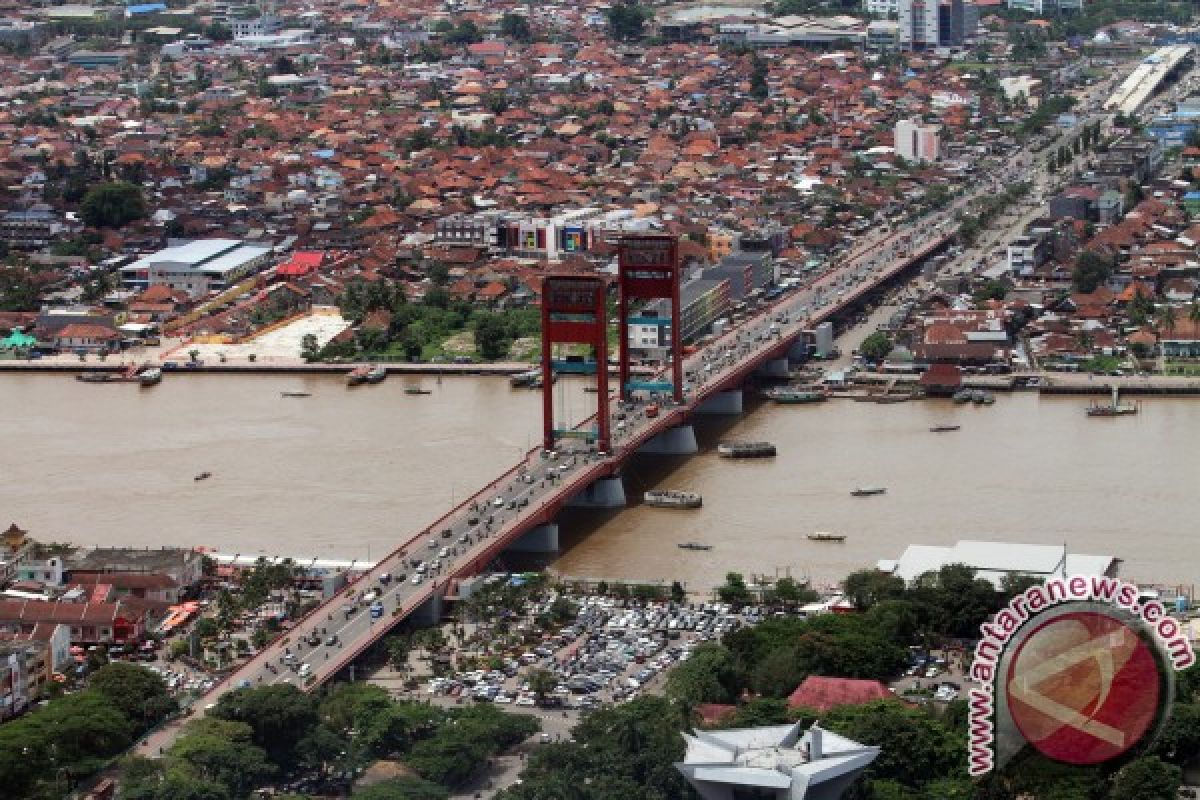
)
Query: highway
[{"x": 467, "y": 538}]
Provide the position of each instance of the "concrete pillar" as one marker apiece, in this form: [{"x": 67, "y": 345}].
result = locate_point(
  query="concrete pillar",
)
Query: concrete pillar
[
  {"x": 429, "y": 612},
  {"x": 722, "y": 403},
  {"x": 679, "y": 441},
  {"x": 604, "y": 493},
  {"x": 775, "y": 368},
  {"x": 542, "y": 539}
]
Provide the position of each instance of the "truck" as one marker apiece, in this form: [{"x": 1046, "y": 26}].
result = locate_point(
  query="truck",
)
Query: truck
[{"x": 652, "y": 411}]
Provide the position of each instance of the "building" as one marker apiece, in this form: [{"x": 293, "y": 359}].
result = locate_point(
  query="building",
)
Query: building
[
  {"x": 883, "y": 35},
  {"x": 32, "y": 228},
  {"x": 884, "y": 8},
  {"x": 265, "y": 25},
  {"x": 702, "y": 301},
  {"x": 1045, "y": 6},
  {"x": 197, "y": 267},
  {"x": 89, "y": 623},
  {"x": 823, "y": 694},
  {"x": 926, "y": 24},
  {"x": 776, "y": 762},
  {"x": 183, "y": 566},
  {"x": 745, "y": 273},
  {"x": 92, "y": 59},
  {"x": 994, "y": 560},
  {"x": 916, "y": 142},
  {"x": 28, "y": 662},
  {"x": 794, "y": 31}
]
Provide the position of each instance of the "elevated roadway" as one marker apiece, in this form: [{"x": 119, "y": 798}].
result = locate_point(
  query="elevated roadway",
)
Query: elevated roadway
[{"x": 1136, "y": 89}]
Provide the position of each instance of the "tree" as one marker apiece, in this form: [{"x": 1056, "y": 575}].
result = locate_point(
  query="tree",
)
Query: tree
[
  {"x": 706, "y": 677},
  {"x": 465, "y": 32},
  {"x": 221, "y": 752},
  {"x": 1091, "y": 270},
  {"x": 516, "y": 27},
  {"x": 734, "y": 591},
  {"x": 876, "y": 346},
  {"x": 1179, "y": 740},
  {"x": 491, "y": 337},
  {"x": 407, "y": 788},
  {"x": 279, "y": 716},
  {"x": 309, "y": 348},
  {"x": 542, "y": 683},
  {"x": 1147, "y": 778},
  {"x": 867, "y": 587},
  {"x": 626, "y": 20},
  {"x": 1167, "y": 318},
  {"x": 138, "y": 693},
  {"x": 758, "y": 77},
  {"x": 112, "y": 205},
  {"x": 915, "y": 748}
]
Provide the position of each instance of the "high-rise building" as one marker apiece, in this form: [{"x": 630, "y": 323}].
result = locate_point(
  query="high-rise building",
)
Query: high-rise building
[
  {"x": 916, "y": 142},
  {"x": 884, "y": 8},
  {"x": 925, "y": 24}
]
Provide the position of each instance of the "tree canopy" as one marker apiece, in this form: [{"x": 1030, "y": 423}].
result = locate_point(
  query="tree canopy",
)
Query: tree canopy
[
  {"x": 626, "y": 20},
  {"x": 112, "y": 205}
]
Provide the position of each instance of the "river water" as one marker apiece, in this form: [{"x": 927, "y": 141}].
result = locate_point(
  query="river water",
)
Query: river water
[{"x": 349, "y": 473}]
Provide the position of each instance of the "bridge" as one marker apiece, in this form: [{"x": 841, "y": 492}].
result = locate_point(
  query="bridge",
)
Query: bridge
[{"x": 517, "y": 510}]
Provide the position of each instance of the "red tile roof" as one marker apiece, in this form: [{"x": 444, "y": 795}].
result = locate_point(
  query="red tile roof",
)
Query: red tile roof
[{"x": 822, "y": 694}]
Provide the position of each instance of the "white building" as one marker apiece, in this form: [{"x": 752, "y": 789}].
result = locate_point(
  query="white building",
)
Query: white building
[
  {"x": 884, "y": 8},
  {"x": 776, "y": 762},
  {"x": 918, "y": 23},
  {"x": 916, "y": 142},
  {"x": 1045, "y": 6},
  {"x": 993, "y": 560},
  {"x": 197, "y": 267},
  {"x": 265, "y": 25}
]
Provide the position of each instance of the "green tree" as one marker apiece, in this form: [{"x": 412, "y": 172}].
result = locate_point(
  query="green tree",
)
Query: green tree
[
  {"x": 1179, "y": 740},
  {"x": 758, "y": 77},
  {"x": 626, "y": 20},
  {"x": 278, "y": 716},
  {"x": 542, "y": 683},
  {"x": 136, "y": 692},
  {"x": 309, "y": 348},
  {"x": 915, "y": 748},
  {"x": 465, "y": 32},
  {"x": 516, "y": 27},
  {"x": 734, "y": 591},
  {"x": 221, "y": 752},
  {"x": 1147, "y": 778},
  {"x": 112, "y": 205},
  {"x": 867, "y": 587},
  {"x": 1091, "y": 270},
  {"x": 708, "y": 676},
  {"x": 492, "y": 341},
  {"x": 408, "y": 788},
  {"x": 876, "y": 346}
]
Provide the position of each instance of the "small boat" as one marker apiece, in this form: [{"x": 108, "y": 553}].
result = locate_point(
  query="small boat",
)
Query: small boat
[
  {"x": 944, "y": 428},
  {"x": 868, "y": 491},
  {"x": 826, "y": 536},
  {"x": 203, "y": 476},
  {"x": 376, "y": 374},
  {"x": 531, "y": 379},
  {"x": 672, "y": 498},
  {"x": 96, "y": 377},
  {"x": 963, "y": 396},
  {"x": 590, "y": 389},
  {"x": 295, "y": 394},
  {"x": 416, "y": 390},
  {"x": 149, "y": 376},
  {"x": 357, "y": 376},
  {"x": 694, "y": 546},
  {"x": 745, "y": 449},
  {"x": 797, "y": 395}
]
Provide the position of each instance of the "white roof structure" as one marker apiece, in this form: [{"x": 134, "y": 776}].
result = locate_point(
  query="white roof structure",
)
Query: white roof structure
[
  {"x": 778, "y": 759},
  {"x": 209, "y": 256},
  {"x": 994, "y": 560}
]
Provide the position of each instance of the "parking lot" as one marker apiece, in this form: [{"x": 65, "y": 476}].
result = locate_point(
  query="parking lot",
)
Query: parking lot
[{"x": 610, "y": 652}]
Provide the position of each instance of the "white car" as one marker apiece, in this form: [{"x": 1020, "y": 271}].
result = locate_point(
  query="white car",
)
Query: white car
[{"x": 498, "y": 502}]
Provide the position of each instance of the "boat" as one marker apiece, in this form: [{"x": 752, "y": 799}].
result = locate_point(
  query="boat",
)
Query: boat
[
  {"x": 376, "y": 374},
  {"x": 416, "y": 390},
  {"x": 826, "y": 536},
  {"x": 357, "y": 376},
  {"x": 203, "y": 476},
  {"x": 745, "y": 449},
  {"x": 694, "y": 546},
  {"x": 944, "y": 428},
  {"x": 982, "y": 397},
  {"x": 672, "y": 498},
  {"x": 96, "y": 377},
  {"x": 295, "y": 394},
  {"x": 962, "y": 396},
  {"x": 868, "y": 491},
  {"x": 1114, "y": 409},
  {"x": 149, "y": 376},
  {"x": 531, "y": 379},
  {"x": 794, "y": 395}
]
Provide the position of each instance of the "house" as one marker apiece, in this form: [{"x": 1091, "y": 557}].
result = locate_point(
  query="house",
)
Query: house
[
  {"x": 823, "y": 694},
  {"x": 1182, "y": 340},
  {"x": 992, "y": 561},
  {"x": 87, "y": 338},
  {"x": 89, "y": 623}
]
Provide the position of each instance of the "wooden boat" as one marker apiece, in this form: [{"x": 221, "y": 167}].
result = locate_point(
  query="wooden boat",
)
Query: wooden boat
[
  {"x": 944, "y": 428},
  {"x": 694, "y": 546},
  {"x": 96, "y": 377},
  {"x": 797, "y": 395},
  {"x": 672, "y": 498},
  {"x": 745, "y": 449},
  {"x": 826, "y": 536},
  {"x": 376, "y": 374},
  {"x": 416, "y": 390},
  {"x": 203, "y": 476},
  {"x": 149, "y": 376},
  {"x": 868, "y": 491},
  {"x": 295, "y": 394},
  {"x": 357, "y": 376}
]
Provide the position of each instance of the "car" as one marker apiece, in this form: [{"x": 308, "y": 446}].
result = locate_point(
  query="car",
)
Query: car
[
  {"x": 331, "y": 640},
  {"x": 305, "y": 670},
  {"x": 498, "y": 502},
  {"x": 416, "y": 579}
]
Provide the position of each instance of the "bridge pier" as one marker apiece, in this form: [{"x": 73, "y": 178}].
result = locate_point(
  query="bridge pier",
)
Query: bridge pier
[
  {"x": 775, "y": 368},
  {"x": 428, "y": 613},
  {"x": 729, "y": 402},
  {"x": 679, "y": 441},
  {"x": 604, "y": 493},
  {"x": 542, "y": 539}
]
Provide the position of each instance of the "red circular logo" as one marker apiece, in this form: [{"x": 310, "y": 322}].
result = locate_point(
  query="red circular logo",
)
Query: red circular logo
[{"x": 1083, "y": 687}]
